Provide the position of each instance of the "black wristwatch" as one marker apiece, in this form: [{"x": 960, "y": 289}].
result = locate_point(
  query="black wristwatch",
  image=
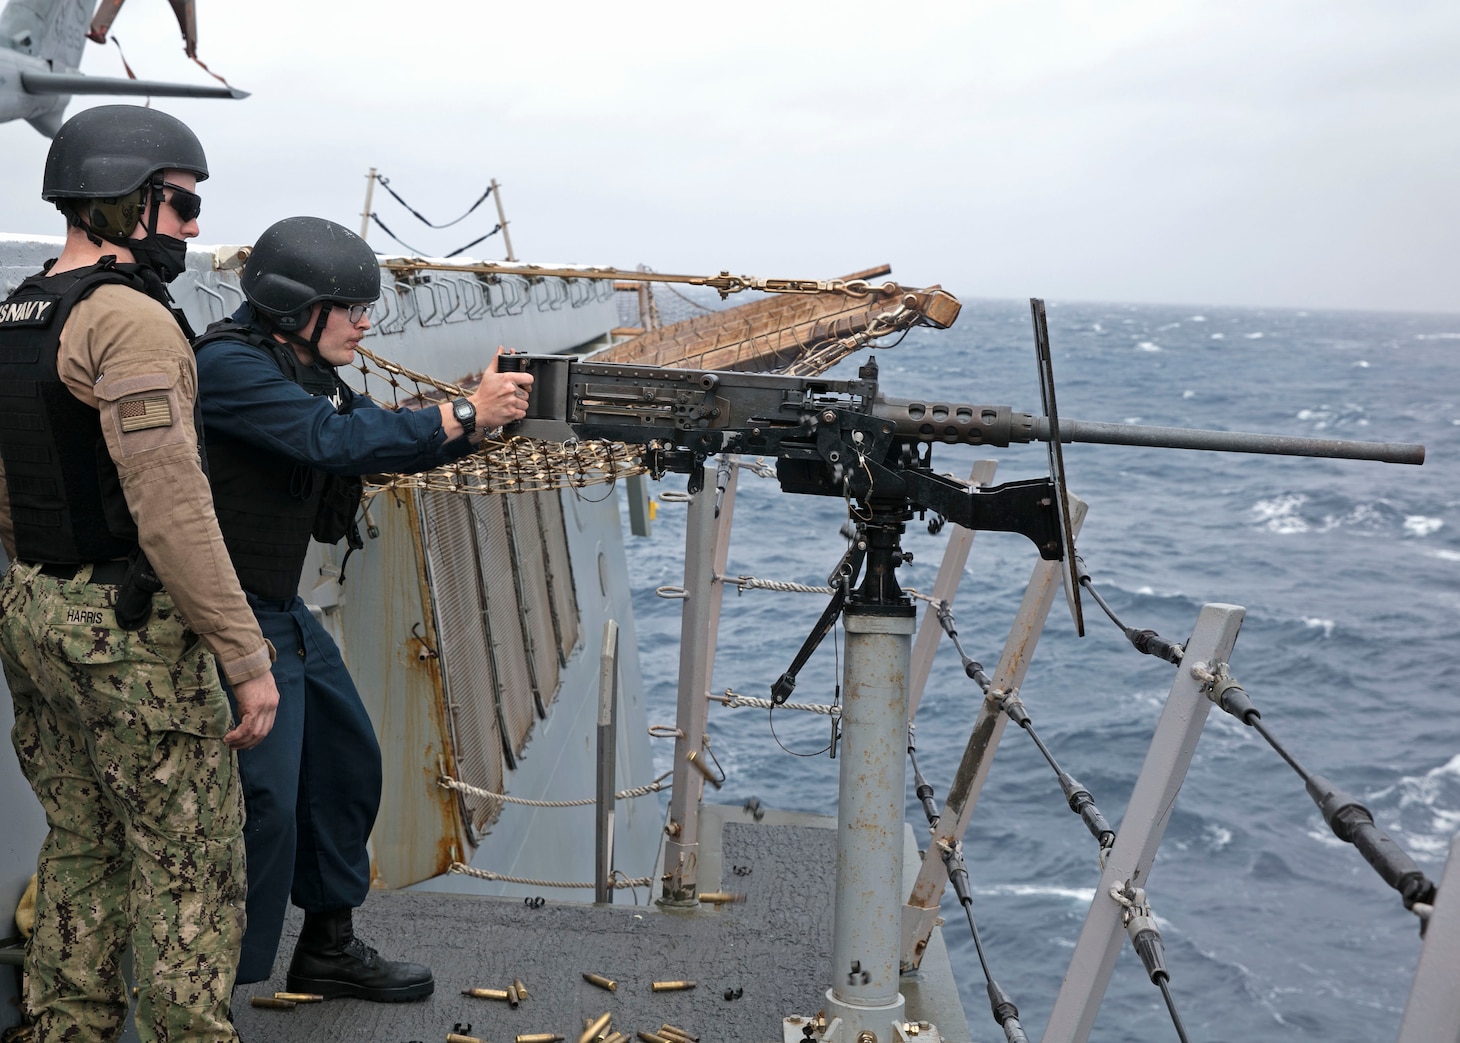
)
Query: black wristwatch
[{"x": 466, "y": 414}]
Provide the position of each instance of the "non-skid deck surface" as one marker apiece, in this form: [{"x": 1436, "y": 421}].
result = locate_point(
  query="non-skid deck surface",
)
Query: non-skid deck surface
[{"x": 772, "y": 951}]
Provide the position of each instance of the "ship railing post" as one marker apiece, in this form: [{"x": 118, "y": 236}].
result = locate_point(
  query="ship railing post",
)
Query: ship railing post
[
  {"x": 706, "y": 549},
  {"x": 502, "y": 219},
  {"x": 607, "y": 745},
  {"x": 369, "y": 195},
  {"x": 920, "y": 913},
  {"x": 1141, "y": 828},
  {"x": 1432, "y": 1014}
]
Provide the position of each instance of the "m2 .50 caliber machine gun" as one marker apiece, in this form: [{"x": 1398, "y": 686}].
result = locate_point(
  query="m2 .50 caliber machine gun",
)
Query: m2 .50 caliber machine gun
[{"x": 844, "y": 438}]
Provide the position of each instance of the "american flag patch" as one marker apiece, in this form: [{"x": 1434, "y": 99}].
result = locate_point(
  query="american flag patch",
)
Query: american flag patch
[{"x": 140, "y": 414}]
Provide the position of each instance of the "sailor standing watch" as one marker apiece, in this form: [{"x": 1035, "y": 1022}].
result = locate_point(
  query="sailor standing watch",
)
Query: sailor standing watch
[{"x": 466, "y": 415}]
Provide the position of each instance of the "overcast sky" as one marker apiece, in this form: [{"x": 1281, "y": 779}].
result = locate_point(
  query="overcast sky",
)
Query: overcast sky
[{"x": 1300, "y": 154}]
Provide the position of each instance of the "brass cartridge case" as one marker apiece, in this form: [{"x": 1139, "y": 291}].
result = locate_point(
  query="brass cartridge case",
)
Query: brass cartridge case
[
  {"x": 300, "y": 997},
  {"x": 671, "y": 986},
  {"x": 704, "y": 769},
  {"x": 485, "y": 994},
  {"x": 600, "y": 981},
  {"x": 594, "y": 1027},
  {"x": 539, "y": 1037},
  {"x": 674, "y": 1030},
  {"x": 271, "y": 1002},
  {"x": 457, "y": 1037},
  {"x": 521, "y": 989},
  {"x": 720, "y": 897}
]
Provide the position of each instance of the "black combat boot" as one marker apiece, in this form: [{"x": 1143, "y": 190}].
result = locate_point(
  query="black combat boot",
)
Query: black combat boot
[{"x": 330, "y": 961}]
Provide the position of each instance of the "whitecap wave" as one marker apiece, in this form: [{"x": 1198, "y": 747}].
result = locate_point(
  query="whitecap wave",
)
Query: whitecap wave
[
  {"x": 1281, "y": 514},
  {"x": 1084, "y": 895},
  {"x": 1421, "y": 525},
  {"x": 1219, "y": 336},
  {"x": 1446, "y": 555},
  {"x": 1147, "y": 345},
  {"x": 1437, "y": 336},
  {"x": 1253, "y": 336},
  {"x": 1313, "y": 623}
]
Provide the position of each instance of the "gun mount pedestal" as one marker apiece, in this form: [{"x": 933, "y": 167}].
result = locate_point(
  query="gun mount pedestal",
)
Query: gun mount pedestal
[{"x": 879, "y": 621}]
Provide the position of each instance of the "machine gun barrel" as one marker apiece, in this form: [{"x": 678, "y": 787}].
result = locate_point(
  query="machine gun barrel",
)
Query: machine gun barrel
[
  {"x": 1230, "y": 441},
  {"x": 930, "y": 421}
]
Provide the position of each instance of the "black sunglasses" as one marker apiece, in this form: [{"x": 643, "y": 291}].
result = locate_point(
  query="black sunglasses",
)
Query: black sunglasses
[{"x": 187, "y": 205}]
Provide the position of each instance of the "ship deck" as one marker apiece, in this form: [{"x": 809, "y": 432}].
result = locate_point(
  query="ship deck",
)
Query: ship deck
[{"x": 771, "y": 951}]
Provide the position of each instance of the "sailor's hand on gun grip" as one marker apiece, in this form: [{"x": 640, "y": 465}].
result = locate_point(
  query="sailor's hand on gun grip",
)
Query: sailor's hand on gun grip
[
  {"x": 258, "y": 699},
  {"x": 501, "y": 397}
]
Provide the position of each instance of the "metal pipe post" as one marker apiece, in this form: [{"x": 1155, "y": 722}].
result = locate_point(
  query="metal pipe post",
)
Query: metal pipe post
[
  {"x": 607, "y": 748},
  {"x": 868, "y": 912},
  {"x": 1142, "y": 827},
  {"x": 706, "y": 545},
  {"x": 1432, "y": 1014},
  {"x": 369, "y": 195},
  {"x": 502, "y": 219}
]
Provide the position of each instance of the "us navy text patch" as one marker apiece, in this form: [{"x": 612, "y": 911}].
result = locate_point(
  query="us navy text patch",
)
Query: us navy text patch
[{"x": 36, "y": 311}]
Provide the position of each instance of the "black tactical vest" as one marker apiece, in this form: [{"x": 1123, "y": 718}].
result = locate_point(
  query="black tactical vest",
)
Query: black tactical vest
[
  {"x": 268, "y": 505},
  {"x": 66, "y": 500}
]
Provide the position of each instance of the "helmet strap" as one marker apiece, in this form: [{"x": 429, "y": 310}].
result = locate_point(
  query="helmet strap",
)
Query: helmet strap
[{"x": 312, "y": 344}]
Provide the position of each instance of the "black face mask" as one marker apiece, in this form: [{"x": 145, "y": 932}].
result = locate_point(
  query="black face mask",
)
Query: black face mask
[{"x": 166, "y": 256}]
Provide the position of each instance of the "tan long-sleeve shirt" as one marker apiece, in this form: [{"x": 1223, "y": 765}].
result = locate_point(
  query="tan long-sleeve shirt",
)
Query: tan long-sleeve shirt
[{"x": 123, "y": 354}]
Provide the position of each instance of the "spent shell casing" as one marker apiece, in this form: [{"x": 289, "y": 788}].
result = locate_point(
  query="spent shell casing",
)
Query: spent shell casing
[
  {"x": 272, "y": 1003},
  {"x": 594, "y": 1027},
  {"x": 651, "y": 1037},
  {"x": 300, "y": 997},
  {"x": 539, "y": 1037},
  {"x": 485, "y": 994},
  {"x": 700, "y": 766},
  {"x": 671, "y": 986},
  {"x": 512, "y": 995},
  {"x": 720, "y": 897},
  {"x": 521, "y": 989},
  {"x": 457, "y": 1037},
  {"x": 674, "y": 1030},
  {"x": 615, "y": 1037},
  {"x": 600, "y": 981}
]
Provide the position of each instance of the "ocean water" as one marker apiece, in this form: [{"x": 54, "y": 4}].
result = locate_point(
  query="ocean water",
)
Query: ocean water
[{"x": 1350, "y": 575}]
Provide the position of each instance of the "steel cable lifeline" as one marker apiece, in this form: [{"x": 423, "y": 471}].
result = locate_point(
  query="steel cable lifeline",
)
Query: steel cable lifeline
[
  {"x": 1079, "y": 799},
  {"x": 426, "y": 253},
  {"x": 1349, "y": 820},
  {"x": 385, "y": 184},
  {"x": 1140, "y": 924},
  {"x": 1004, "y": 1010}
]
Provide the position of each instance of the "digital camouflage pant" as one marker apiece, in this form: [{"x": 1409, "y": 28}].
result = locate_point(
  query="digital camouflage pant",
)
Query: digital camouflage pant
[{"x": 120, "y": 734}]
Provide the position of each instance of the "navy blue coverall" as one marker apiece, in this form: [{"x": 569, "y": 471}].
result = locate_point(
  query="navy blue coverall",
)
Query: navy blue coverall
[{"x": 312, "y": 787}]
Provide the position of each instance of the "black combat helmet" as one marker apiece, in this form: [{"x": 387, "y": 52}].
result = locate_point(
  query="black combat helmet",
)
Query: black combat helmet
[
  {"x": 301, "y": 260},
  {"x": 112, "y": 150},
  {"x": 113, "y": 157}
]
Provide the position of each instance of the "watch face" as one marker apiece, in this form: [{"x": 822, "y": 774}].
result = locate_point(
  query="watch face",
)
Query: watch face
[{"x": 464, "y": 410}]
